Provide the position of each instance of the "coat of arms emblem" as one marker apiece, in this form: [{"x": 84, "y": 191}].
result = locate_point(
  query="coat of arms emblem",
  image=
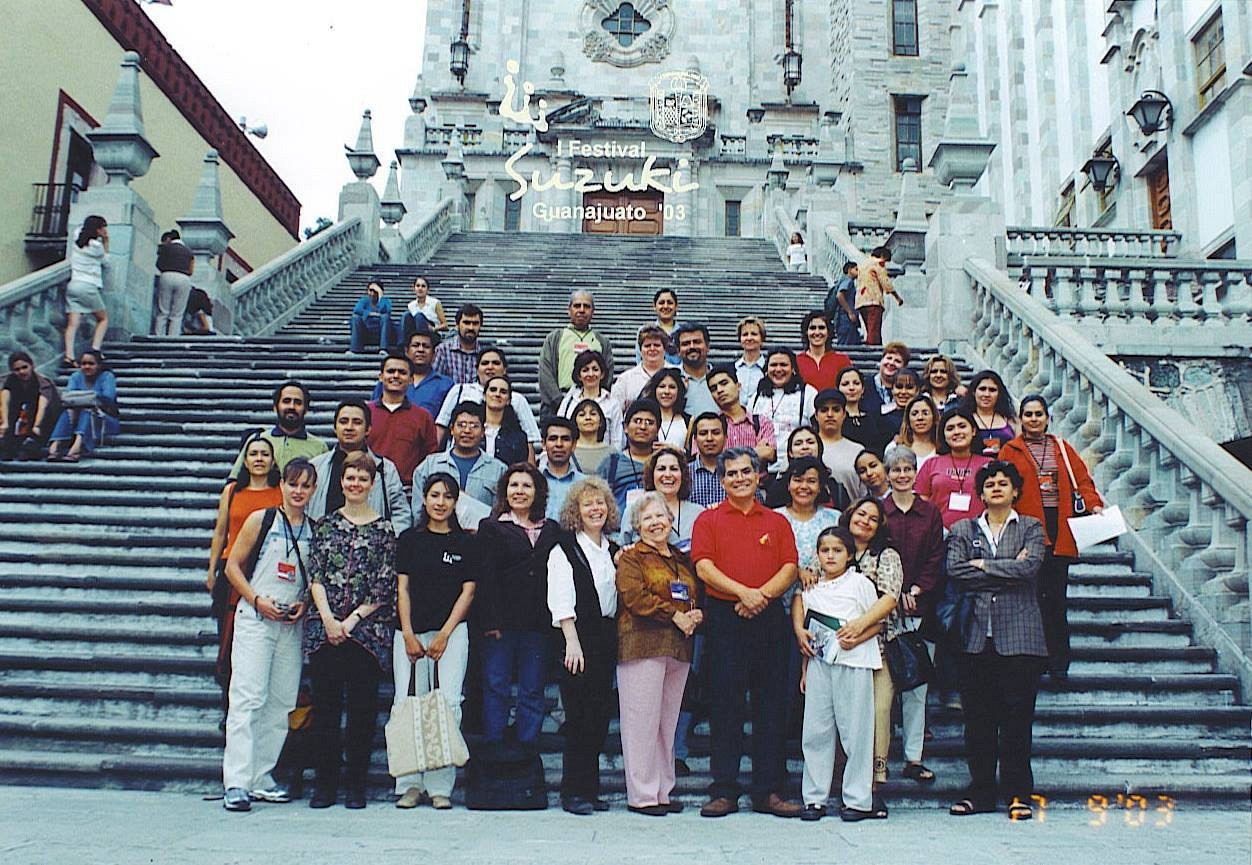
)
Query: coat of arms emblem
[{"x": 680, "y": 105}]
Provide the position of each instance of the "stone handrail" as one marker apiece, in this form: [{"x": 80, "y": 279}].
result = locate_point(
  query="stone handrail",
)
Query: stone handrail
[
  {"x": 830, "y": 250},
  {"x": 1187, "y": 499},
  {"x": 1119, "y": 298},
  {"x": 272, "y": 295},
  {"x": 32, "y": 314},
  {"x": 430, "y": 233},
  {"x": 1059, "y": 240},
  {"x": 867, "y": 235},
  {"x": 779, "y": 229}
]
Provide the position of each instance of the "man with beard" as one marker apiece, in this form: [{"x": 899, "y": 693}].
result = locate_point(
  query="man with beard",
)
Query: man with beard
[
  {"x": 386, "y": 497},
  {"x": 693, "y": 345},
  {"x": 458, "y": 358},
  {"x": 289, "y": 437}
]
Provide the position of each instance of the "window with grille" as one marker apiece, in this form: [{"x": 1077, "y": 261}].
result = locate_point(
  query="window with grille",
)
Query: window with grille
[
  {"x": 904, "y": 28},
  {"x": 512, "y": 214},
  {"x": 908, "y": 117},
  {"x": 626, "y": 24},
  {"x": 1210, "y": 60}
]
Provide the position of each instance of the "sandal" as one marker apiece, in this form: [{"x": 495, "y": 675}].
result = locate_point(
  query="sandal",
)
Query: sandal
[
  {"x": 70, "y": 458},
  {"x": 68, "y": 363},
  {"x": 878, "y": 808},
  {"x": 965, "y": 807},
  {"x": 1019, "y": 811},
  {"x": 919, "y": 773},
  {"x": 54, "y": 457}
]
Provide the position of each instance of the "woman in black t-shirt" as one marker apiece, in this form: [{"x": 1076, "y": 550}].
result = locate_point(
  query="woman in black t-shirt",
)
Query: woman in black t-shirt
[{"x": 437, "y": 567}]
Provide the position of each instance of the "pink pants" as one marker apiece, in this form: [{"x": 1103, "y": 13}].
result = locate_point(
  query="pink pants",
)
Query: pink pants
[{"x": 650, "y": 691}]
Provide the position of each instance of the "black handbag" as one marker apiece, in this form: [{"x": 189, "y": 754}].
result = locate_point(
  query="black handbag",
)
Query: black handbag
[
  {"x": 909, "y": 662},
  {"x": 954, "y": 615}
]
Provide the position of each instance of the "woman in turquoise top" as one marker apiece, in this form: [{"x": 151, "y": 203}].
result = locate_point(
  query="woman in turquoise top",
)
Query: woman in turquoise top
[{"x": 85, "y": 428}]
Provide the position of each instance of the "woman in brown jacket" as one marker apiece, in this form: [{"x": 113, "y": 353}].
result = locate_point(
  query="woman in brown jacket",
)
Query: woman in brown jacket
[
  {"x": 1054, "y": 479},
  {"x": 657, "y": 615}
]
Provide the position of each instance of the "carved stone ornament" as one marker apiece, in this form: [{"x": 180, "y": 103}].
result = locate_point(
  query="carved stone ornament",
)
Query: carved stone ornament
[{"x": 650, "y": 46}]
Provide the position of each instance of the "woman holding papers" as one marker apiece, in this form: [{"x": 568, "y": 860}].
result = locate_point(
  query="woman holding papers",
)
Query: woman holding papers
[{"x": 1055, "y": 487}]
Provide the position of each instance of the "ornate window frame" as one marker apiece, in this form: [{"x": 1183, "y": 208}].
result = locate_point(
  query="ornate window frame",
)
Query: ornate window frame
[{"x": 651, "y": 46}]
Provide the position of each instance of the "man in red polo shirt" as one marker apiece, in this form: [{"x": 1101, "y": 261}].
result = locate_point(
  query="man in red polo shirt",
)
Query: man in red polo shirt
[
  {"x": 399, "y": 430},
  {"x": 746, "y": 556}
]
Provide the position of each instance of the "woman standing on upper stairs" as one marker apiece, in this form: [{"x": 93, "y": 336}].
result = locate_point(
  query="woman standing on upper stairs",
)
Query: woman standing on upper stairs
[
  {"x": 988, "y": 400},
  {"x": 1055, "y": 486}
]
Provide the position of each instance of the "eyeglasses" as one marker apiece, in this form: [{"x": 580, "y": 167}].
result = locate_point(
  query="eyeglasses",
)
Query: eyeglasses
[{"x": 466, "y": 424}]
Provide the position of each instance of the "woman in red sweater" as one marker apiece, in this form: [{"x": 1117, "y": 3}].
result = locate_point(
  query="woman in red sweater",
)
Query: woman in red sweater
[
  {"x": 1055, "y": 480},
  {"x": 819, "y": 364}
]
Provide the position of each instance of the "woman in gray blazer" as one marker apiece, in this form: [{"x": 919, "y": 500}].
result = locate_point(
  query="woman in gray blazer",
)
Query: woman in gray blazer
[{"x": 996, "y": 558}]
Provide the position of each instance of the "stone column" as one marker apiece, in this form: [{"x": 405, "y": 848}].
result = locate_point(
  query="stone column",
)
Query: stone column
[
  {"x": 360, "y": 198},
  {"x": 205, "y": 233},
  {"x": 454, "y": 183},
  {"x": 123, "y": 152},
  {"x": 687, "y": 200},
  {"x": 392, "y": 211},
  {"x": 909, "y": 323}
]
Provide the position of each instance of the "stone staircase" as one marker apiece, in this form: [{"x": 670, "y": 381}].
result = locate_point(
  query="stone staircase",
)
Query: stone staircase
[{"x": 106, "y": 646}]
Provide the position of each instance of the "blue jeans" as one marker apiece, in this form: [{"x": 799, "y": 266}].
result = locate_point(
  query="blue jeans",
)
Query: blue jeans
[
  {"x": 527, "y": 652},
  {"x": 91, "y": 425},
  {"x": 370, "y": 330},
  {"x": 746, "y": 657}
]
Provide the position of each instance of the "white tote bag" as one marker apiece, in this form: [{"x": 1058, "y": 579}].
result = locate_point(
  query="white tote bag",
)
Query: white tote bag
[{"x": 422, "y": 733}]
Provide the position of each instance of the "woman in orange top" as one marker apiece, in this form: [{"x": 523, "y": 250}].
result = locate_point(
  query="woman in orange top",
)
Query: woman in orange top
[
  {"x": 1050, "y": 496},
  {"x": 254, "y": 489}
]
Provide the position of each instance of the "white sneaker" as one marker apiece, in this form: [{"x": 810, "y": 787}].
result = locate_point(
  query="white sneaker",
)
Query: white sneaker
[
  {"x": 236, "y": 799},
  {"x": 277, "y": 793}
]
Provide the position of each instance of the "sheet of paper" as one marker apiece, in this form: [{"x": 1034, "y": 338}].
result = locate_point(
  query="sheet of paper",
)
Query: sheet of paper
[{"x": 1097, "y": 528}]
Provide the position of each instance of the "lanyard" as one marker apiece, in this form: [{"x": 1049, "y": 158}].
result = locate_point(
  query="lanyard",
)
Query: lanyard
[
  {"x": 962, "y": 475},
  {"x": 1038, "y": 461}
]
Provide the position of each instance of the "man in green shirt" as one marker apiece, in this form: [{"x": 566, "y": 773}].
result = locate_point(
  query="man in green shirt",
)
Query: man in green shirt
[
  {"x": 562, "y": 345},
  {"x": 289, "y": 437}
]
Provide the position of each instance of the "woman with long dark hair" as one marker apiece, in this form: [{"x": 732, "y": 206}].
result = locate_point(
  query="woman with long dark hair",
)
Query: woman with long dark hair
[
  {"x": 989, "y": 402},
  {"x": 919, "y": 431},
  {"x": 1054, "y": 480},
  {"x": 29, "y": 406},
  {"x": 85, "y": 427},
  {"x": 947, "y": 480},
  {"x": 89, "y": 257},
  {"x": 784, "y": 398},
  {"x": 591, "y": 449},
  {"x": 438, "y": 566},
  {"x": 512, "y": 603},
  {"x": 504, "y": 437},
  {"x": 670, "y": 392},
  {"x": 859, "y": 425},
  {"x": 590, "y": 370}
]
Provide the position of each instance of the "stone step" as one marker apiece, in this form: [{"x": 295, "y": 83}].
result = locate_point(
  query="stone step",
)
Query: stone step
[
  {"x": 1111, "y": 586},
  {"x": 1169, "y": 633},
  {"x": 94, "y": 556},
  {"x": 85, "y": 605},
  {"x": 111, "y": 519},
  {"x": 166, "y": 586},
  {"x": 1092, "y": 609}
]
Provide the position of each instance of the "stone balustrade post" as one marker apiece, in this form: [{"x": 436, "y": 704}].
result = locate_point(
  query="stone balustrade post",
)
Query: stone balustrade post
[
  {"x": 360, "y": 199},
  {"x": 205, "y": 233}
]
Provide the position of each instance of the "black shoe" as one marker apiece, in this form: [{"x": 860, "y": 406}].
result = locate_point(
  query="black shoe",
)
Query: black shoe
[
  {"x": 323, "y": 798},
  {"x": 598, "y": 804},
  {"x": 813, "y": 812},
  {"x": 649, "y": 810},
  {"x": 681, "y": 769},
  {"x": 578, "y": 805},
  {"x": 851, "y": 815},
  {"x": 355, "y": 800},
  {"x": 673, "y": 807}
]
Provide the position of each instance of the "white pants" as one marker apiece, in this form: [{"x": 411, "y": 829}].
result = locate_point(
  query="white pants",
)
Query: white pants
[
  {"x": 838, "y": 707},
  {"x": 266, "y": 659},
  {"x": 451, "y": 679},
  {"x": 173, "y": 289},
  {"x": 913, "y": 709}
]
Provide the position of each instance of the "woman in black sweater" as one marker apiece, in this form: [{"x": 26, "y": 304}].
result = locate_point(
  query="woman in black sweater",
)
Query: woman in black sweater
[{"x": 512, "y": 606}]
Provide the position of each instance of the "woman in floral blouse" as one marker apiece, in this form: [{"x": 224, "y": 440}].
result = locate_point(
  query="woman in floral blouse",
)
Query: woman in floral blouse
[{"x": 348, "y": 643}]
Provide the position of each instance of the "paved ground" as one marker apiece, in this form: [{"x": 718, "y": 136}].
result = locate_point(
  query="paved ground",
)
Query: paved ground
[{"x": 68, "y": 827}]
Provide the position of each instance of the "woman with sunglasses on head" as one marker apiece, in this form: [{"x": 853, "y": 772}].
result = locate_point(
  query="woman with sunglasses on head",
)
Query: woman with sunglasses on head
[
  {"x": 589, "y": 375},
  {"x": 1056, "y": 486},
  {"x": 942, "y": 383},
  {"x": 86, "y": 427},
  {"x": 504, "y": 437},
  {"x": 989, "y": 402}
]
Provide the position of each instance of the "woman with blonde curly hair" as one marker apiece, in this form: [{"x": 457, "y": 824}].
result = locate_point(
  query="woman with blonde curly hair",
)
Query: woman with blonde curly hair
[
  {"x": 941, "y": 382},
  {"x": 582, "y": 598}
]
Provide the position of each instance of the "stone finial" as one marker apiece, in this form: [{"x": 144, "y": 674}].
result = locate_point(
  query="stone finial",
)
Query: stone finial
[
  {"x": 393, "y": 208},
  {"x": 417, "y": 99},
  {"x": 203, "y": 228},
  {"x": 361, "y": 158},
  {"x": 119, "y": 144},
  {"x": 693, "y": 65},
  {"x": 777, "y": 174},
  {"x": 907, "y": 240},
  {"x": 556, "y": 71},
  {"x": 962, "y": 153},
  {"x": 454, "y": 163}
]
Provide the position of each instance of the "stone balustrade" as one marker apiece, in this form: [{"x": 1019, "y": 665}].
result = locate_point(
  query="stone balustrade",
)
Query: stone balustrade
[
  {"x": 1107, "y": 242},
  {"x": 429, "y": 233},
  {"x": 1186, "y": 498},
  {"x": 269, "y": 297},
  {"x": 441, "y": 136},
  {"x": 779, "y": 226},
  {"x": 32, "y": 314},
  {"x": 868, "y": 235},
  {"x": 734, "y": 145},
  {"x": 1194, "y": 305},
  {"x": 793, "y": 146},
  {"x": 515, "y": 139}
]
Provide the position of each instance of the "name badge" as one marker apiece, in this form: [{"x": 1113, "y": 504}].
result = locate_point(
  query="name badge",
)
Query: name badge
[
  {"x": 680, "y": 591},
  {"x": 1047, "y": 483},
  {"x": 581, "y": 346},
  {"x": 991, "y": 445},
  {"x": 959, "y": 502},
  {"x": 632, "y": 495},
  {"x": 286, "y": 572}
]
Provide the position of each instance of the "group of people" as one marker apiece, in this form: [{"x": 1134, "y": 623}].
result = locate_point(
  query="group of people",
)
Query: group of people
[
  {"x": 751, "y": 531},
  {"x": 39, "y": 420}
]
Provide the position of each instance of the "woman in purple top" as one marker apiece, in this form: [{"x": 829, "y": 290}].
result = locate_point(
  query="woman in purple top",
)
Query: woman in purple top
[{"x": 989, "y": 402}]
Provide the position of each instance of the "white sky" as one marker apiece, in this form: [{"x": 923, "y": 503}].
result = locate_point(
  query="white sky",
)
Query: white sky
[{"x": 307, "y": 68}]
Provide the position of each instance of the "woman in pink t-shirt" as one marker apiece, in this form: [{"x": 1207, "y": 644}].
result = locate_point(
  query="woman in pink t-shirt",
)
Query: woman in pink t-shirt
[{"x": 947, "y": 479}]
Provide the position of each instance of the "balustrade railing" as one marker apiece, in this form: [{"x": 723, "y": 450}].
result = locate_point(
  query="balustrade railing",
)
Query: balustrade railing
[
  {"x": 515, "y": 139},
  {"x": 868, "y": 235},
  {"x": 269, "y": 297},
  {"x": 50, "y": 212},
  {"x": 430, "y": 233},
  {"x": 441, "y": 136},
  {"x": 793, "y": 145},
  {"x": 32, "y": 314},
  {"x": 1174, "y": 297},
  {"x": 1188, "y": 500},
  {"x": 734, "y": 145},
  {"x": 1108, "y": 242}
]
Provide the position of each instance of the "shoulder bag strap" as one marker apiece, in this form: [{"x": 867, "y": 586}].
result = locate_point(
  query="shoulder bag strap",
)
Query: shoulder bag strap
[
  {"x": 267, "y": 523},
  {"x": 1069, "y": 470}
]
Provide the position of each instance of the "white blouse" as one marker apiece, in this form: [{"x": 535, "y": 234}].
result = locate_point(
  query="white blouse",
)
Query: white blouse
[
  {"x": 561, "y": 579},
  {"x": 615, "y": 435}
]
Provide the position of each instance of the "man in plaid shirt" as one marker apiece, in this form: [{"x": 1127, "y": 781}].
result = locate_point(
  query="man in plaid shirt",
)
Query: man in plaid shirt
[
  {"x": 708, "y": 434},
  {"x": 458, "y": 358}
]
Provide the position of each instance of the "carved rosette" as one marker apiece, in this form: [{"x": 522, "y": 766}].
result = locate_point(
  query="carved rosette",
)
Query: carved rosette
[{"x": 651, "y": 46}]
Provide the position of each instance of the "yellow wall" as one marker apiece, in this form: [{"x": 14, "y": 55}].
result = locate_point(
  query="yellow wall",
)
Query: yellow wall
[{"x": 61, "y": 45}]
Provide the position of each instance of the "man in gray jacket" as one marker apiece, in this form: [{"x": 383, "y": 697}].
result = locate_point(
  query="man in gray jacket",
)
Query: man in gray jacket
[
  {"x": 477, "y": 472},
  {"x": 352, "y": 424},
  {"x": 561, "y": 346}
]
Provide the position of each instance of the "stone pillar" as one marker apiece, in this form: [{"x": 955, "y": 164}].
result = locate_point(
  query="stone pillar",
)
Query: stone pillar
[
  {"x": 360, "y": 198},
  {"x": 454, "y": 183},
  {"x": 965, "y": 225},
  {"x": 909, "y": 323},
  {"x": 205, "y": 233},
  {"x": 688, "y": 169},
  {"x": 123, "y": 152},
  {"x": 392, "y": 211}
]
